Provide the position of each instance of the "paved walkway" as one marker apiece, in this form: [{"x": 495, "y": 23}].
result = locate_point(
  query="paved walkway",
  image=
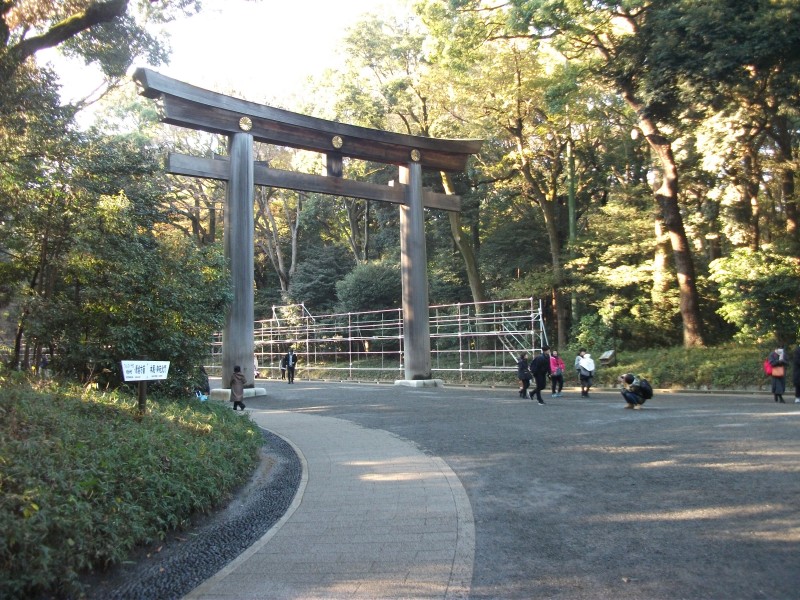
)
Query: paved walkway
[{"x": 374, "y": 518}]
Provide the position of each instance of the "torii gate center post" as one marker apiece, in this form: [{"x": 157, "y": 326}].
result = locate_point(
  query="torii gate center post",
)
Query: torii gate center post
[{"x": 246, "y": 122}]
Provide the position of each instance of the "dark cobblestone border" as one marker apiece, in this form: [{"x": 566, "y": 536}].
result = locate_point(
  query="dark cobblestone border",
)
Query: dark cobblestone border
[{"x": 189, "y": 558}]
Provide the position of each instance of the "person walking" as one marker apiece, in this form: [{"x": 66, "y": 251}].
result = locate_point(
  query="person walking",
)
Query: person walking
[
  {"x": 283, "y": 367},
  {"x": 777, "y": 359},
  {"x": 237, "y": 388},
  {"x": 586, "y": 367},
  {"x": 291, "y": 362},
  {"x": 523, "y": 374},
  {"x": 632, "y": 391},
  {"x": 796, "y": 373},
  {"x": 540, "y": 369},
  {"x": 578, "y": 358},
  {"x": 557, "y": 368}
]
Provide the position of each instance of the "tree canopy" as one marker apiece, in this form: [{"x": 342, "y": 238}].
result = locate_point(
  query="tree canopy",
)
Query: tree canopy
[
  {"x": 92, "y": 270},
  {"x": 638, "y": 174}
]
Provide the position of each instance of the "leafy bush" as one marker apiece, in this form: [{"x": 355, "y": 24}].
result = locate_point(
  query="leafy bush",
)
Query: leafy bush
[
  {"x": 314, "y": 282},
  {"x": 84, "y": 479},
  {"x": 759, "y": 292},
  {"x": 115, "y": 282},
  {"x": 593, "y": 334},
  {"x": 370, "y": 286}
]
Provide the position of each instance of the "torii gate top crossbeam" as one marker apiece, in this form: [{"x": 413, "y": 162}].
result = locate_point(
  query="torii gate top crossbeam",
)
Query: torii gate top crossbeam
[{"x": 189, "y": 106}]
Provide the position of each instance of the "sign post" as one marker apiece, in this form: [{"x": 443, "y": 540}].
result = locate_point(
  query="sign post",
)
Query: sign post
[{"x": 143, "y": 371}]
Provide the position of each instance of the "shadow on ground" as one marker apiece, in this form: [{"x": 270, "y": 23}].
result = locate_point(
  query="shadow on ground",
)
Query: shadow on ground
[{"x": 692, "y": 497}]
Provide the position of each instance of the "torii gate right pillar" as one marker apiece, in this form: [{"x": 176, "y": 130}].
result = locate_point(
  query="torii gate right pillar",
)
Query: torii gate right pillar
[{"x": 414, "y": 274}]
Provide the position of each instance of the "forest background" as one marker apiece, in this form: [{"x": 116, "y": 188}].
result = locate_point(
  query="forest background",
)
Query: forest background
[{"x": 638, "y": 175}]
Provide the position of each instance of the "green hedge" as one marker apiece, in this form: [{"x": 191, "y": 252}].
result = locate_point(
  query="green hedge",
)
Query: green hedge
[
  {"x": 84, "y": 478},
  {"x": 729, "y": 367}
]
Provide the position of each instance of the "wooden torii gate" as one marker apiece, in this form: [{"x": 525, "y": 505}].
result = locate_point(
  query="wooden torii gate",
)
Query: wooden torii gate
[{"x": 243, "y": 123}]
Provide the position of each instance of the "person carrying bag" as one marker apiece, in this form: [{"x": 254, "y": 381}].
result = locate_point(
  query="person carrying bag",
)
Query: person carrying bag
[{"x": 777, "y": 371}]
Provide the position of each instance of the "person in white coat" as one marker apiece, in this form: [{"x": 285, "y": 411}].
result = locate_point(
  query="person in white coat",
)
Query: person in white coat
[{"x": 586, "y": 367}]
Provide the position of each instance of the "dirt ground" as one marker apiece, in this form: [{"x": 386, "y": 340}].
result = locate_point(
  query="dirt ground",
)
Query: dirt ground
[{"x": 696, "y": 496}]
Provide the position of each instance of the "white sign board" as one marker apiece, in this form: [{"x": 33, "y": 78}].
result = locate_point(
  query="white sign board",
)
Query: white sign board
[{"x": 144, "y": 370}]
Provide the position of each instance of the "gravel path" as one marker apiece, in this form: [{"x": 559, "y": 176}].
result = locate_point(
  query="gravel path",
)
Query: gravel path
[{"x": 696, "y": 496}]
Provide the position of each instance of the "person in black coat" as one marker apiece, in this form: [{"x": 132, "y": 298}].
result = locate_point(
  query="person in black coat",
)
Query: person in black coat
[
  {"x": 540, "y": 369},
  {"x": 523, "y": 374},
  {"x": 291, "y": 362},
  {"x": 778, "y": 361},
  {"x": 632, "y": 390}
]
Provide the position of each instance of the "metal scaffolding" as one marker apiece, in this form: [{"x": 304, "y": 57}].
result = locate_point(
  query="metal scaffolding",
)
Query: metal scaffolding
[{"x": 482, "y": 337}]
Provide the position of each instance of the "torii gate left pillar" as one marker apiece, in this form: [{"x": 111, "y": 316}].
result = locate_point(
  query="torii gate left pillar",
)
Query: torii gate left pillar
[
  {"x": 244, "y": 123},
  {"x": 238, "y": 335},
  {"x": 416, "y": 317}
]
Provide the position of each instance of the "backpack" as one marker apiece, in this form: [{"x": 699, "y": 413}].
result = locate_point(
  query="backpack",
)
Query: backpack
[
  {"x": 767, "y": 367},
  {"x": 645, "y": 389}
]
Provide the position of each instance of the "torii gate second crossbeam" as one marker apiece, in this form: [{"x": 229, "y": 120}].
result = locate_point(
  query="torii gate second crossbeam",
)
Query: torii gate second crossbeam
[{"x": 243, "y": 123}]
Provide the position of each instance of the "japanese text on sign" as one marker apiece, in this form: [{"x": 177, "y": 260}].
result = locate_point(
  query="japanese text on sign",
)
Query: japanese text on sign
[{"x": 144, "y": 370}]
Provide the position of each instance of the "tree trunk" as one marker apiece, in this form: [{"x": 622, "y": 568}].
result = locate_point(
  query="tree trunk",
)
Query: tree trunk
[
  {"x": 790, "y": 206},
  {"x": 667, "y": 198},
  {"x": 465, "y": 248},
  {"x": 749, "y": 195},
  {"x": 269, "y": 235},
  {"x": 559, "y": 309},
  {"x": 660, "y": 258},
  {"x": 547, "y": 201},
  {"x": 366, "y": 231},
  {"x": 783, "y": 138},
  {"x": 211, "y": 237},
  {"x": 356, "y": 234}
]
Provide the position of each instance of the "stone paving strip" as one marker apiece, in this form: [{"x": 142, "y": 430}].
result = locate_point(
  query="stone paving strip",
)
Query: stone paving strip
[{"x": 374, "y": 518}]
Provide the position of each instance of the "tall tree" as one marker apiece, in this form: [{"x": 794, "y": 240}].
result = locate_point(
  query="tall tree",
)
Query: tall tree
[
  {"x": 108, "y": 282},
  {"x": 396, "y": 86},
  {"x": 37, "y": 202},
  {"x": 277, "y": 229},
  {"x": 195, "y": 205},
  {"x": 613, "y": 43},
  {"x": 524, "y": 98},
  {"x": 738, "y": 64}
]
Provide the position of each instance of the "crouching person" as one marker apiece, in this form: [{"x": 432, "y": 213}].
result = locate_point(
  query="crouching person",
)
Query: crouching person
[{"x": 632, "y": 391}]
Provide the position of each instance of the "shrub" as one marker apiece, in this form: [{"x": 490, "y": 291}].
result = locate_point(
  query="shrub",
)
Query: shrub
[
  {"x": 758, "y": 294},
  {"x": 370, "y": 286},
  {"x": 84, "y": 479}
]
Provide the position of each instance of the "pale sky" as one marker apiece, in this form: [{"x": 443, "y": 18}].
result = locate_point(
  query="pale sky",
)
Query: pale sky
[
  {"x": 261, "y": 50},
  {"x": 268, "y": 47}
]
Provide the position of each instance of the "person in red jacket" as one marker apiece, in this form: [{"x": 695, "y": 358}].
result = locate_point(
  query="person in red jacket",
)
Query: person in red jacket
[{"x": 557, "y": 367}]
